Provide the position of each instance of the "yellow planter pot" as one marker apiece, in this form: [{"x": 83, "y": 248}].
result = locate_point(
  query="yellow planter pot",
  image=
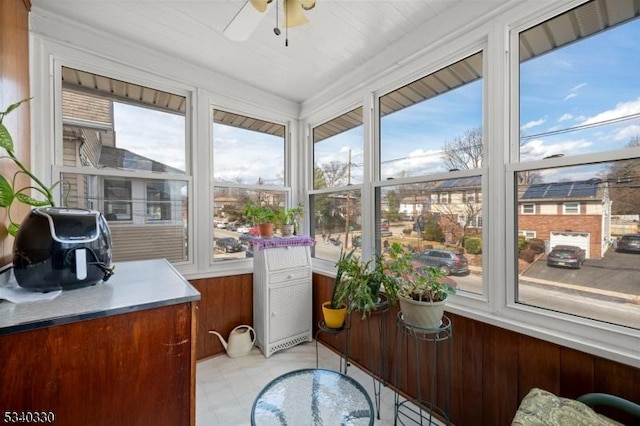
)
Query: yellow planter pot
[{"x": 334, "y": 318}]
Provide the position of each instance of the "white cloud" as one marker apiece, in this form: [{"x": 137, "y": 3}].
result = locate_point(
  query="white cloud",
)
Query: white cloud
[
  {"x": 418, "y": 162},
  {"x": 565, "y": 117},
  {"x": 537, "y": 149},
  {"x": 622, "y": 109},
  {"x": 573, "y": 92},
  {"x": 532, "y": 124},
  {"x": 626, "y": 133}
]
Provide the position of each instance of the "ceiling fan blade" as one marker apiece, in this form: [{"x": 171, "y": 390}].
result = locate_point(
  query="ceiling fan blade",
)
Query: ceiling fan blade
[
  {"x": 294, "y": 14},
  {"x": 245, "y": 21}
]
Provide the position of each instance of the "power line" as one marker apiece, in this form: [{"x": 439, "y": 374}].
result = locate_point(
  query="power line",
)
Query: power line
[{"x": 582, "y": 127}]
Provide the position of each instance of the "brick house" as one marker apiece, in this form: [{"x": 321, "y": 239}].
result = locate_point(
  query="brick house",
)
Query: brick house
[{"x": 549, "y": 211}]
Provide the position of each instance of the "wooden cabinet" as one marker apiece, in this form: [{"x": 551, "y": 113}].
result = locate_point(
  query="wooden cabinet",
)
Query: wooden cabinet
[
  {"x": 112, "y": 364},
  {"x": 282, "y": 297}
]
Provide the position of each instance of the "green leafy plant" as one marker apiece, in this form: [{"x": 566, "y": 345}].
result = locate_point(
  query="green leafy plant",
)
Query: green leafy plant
[
  {"x": 8, "y": 190},
  {"x": 422, "y": 283},
  {"x": 259, "y": 214},
  {"x": 338, "y": 294},
  {"x": 360, "y": 283},
  {"x": 290, "y": 216}
]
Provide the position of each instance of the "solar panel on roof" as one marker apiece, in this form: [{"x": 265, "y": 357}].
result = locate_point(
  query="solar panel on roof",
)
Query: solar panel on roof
[{"x": 562, "y": 189}]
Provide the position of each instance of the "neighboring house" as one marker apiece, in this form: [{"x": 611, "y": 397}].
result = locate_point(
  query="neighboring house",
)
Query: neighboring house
[
  {"x": 548, "y": 211},
  {"x": 457, "y": 203},
  {"x": 145, "y": 215},
  {"x": 414, "y": 206}
]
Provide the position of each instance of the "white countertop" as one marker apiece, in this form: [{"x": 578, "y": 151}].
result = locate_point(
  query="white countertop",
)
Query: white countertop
[{"x": 135, "y": 286}]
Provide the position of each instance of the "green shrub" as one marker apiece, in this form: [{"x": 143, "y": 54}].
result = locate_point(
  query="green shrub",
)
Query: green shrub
[
  {"x": 473, "y": 245},
  {"x": 522, "y": 243},
  {"x": 433, "y": 231}
]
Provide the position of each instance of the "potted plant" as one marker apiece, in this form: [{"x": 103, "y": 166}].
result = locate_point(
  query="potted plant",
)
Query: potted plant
[
  {"x": 289, "y": 219},
  {"x": 422, "y": 291},
  {"x": 359, "y": 284},
  {"x": 262, "y": 216},
  {"x": 8, "y": 191},
  {"x": 334, "y": 311},
  {"x": 367, "y": 285}
]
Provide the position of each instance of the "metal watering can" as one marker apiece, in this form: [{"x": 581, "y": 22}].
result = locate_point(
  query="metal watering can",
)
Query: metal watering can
[{"x": 240, "y": 341}]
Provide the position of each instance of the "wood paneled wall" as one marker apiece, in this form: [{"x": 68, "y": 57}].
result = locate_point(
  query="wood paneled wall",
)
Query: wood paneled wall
[
  {"x": 14, "y": 86},
  {"x": 225, "y": 303},
  {"x": 492, "y": 369}
]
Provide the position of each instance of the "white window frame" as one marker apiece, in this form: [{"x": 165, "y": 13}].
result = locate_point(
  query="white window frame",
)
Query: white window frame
[
  {"x": 527, "y": 234},
  {"x": 524, "y": 209},
  {"x": 611, "y": 341},
  {"x": 571, "y": 208}
]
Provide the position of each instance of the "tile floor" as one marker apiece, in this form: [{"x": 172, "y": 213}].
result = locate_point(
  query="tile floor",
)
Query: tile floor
[{"x": 226, "y": 387}]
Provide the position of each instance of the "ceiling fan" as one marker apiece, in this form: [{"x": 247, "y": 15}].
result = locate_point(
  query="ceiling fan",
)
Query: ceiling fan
[{"x": 251, "y": 13}]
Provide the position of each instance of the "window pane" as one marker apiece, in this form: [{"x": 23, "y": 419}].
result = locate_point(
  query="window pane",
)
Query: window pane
[
  {"x": 128, "y": 127},
  {"x": 112, "y": 125},
  {"x": 337, "y": 223},
  {"x": 231, "y": 228},
  {"x": 125, "y": 204},
  {"x": 247, "y": 150},
  {"x": 337, "y": 151},
  {"x": 443, "y": 232},
  {"x": 590, "y": 278},
  {"x": 433, "y": 124},
  {"x": 573, "y": 101}
]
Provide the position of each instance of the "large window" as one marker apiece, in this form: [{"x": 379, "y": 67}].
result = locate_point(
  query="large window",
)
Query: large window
[
  {"x": 124, "y": 153},
  {"x": 248, "y": 167},
  {"x": 428, "y": 127},
  {"x": 335, "y": 202},
  {"x": 574, "y": 101}
]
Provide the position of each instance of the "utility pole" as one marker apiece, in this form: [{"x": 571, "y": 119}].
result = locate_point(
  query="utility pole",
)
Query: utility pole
[{"x": 346, "y": 223}]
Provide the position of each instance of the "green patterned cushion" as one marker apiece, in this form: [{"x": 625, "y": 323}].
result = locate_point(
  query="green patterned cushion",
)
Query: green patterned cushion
[{"x": 540, "y": 407}]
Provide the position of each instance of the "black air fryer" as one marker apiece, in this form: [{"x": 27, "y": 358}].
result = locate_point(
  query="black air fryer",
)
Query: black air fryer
[{"x": 61, "y": 249}]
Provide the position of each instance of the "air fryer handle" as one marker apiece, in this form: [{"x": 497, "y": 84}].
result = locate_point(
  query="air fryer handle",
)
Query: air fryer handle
[{"x": 81, "y": 263}]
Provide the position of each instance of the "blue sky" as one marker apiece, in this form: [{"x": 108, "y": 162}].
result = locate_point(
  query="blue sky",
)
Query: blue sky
[
  {"x": 586, "y": 83},
  {"x": 583, "y": 84}
]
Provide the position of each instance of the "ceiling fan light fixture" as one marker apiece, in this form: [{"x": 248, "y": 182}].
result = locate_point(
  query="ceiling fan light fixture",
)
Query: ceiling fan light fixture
[
  {"x": 308, "y": 5},
  {"x": 260, "y": 5}
]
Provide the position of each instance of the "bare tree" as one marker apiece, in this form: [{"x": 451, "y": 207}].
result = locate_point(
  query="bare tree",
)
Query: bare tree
[
  {"x": 335, "y": 173},
  {"x": 464, "y": 152},
  {"x": 624, "y": 183}
]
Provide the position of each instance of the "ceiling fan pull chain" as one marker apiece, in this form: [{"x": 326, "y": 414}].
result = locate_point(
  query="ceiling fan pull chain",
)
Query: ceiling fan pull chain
[
  {"x": 286, "y": 25},
  {"x": 276, "y": 30}
]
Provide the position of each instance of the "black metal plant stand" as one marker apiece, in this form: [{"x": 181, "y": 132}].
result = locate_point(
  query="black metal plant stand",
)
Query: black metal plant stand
[
  {"x": 380, "y": 312},
  {"x": 436, "y": 345},
  {"x": 322, "y": 328}
]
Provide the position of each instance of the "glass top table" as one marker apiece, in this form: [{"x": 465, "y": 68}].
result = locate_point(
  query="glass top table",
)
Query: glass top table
[{"x": 312, "y": 396}]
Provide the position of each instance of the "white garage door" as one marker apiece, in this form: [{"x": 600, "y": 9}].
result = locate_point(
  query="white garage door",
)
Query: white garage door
[{"x": 578, "y": 239}]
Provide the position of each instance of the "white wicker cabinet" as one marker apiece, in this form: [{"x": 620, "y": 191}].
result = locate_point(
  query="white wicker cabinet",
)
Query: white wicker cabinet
[{"x": 282, "y": 297}]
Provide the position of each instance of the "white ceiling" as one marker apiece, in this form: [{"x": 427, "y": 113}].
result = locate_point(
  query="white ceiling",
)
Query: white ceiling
[{"x": 342, "y": 36}]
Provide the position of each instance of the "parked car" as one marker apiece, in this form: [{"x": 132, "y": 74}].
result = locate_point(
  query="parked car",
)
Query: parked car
[
  {"x": 448, "y": 262},
  {"x": 229, "y": 245},
  {"x": 629, "y": 243},
  {"x": 567, "y": 256},
  {"x": 244, "y": 238},
  {"x": 243, "y": 229}
]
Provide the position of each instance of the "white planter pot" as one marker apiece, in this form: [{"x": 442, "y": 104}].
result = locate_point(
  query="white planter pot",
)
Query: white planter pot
[
  {"x": 287, "y": 230},
  {"x": 422, "y": 314}
]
